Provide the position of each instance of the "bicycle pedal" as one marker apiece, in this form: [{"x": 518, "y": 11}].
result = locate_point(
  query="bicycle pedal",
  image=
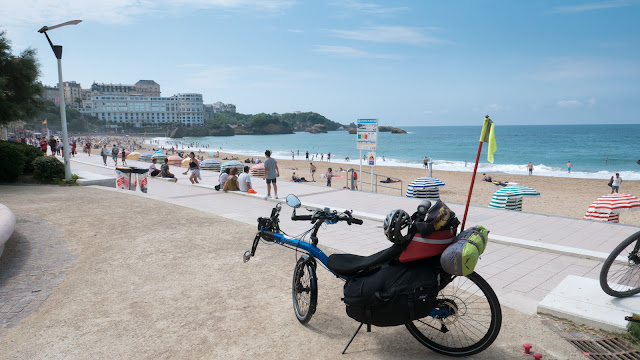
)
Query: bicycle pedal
[{"x": 246, "y": 256}]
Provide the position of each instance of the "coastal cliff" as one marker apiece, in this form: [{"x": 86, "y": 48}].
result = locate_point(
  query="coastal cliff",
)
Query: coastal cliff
[
  {"x": 229, "y": 124},
  {"x": 393, "y": 130}
]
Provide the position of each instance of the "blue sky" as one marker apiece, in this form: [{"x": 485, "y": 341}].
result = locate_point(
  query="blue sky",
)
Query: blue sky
[{"x": 404, "y": 62}]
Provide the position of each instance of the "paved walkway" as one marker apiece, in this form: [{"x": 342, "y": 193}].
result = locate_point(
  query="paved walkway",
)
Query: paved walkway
[
  {"x": 521, "y": 276},
  {"x": 33, "y": 264}
]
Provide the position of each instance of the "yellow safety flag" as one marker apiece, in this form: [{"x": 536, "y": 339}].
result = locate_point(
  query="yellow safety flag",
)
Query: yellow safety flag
[
  {"x": 44, "y": 122},
  {"x": 488, "y": 135}
]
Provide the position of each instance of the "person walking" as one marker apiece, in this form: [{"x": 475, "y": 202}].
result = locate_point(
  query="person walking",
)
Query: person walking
[
  {"x": 194, "y": 167},
  {"x": 329, "y": 175},
  {"x": 530, "y": 167},
  {"x": 124, "y": 157},
  {"x": 569, "y": 166},
  {"x": 313, "y": 171},
  {"x": 425, "y": 162},
  {"x": 114, "y": 154},
  {"x": 104, "y": 152},
  {"x": 271, "y": 172},
  {"x": 307, "y": 155},
  {"x": 615, "y": 185}
]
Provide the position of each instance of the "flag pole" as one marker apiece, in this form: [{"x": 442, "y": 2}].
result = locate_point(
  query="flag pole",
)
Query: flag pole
[
  {"x": 473, "y": 179},
  {"x": 486, "y": 136}
]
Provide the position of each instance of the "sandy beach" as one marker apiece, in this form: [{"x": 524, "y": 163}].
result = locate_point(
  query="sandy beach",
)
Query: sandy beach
[{"x": 568, "y": 197}]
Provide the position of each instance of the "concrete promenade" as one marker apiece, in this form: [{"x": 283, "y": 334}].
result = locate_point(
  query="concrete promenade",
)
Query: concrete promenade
[{"x": 528, "y": 255}]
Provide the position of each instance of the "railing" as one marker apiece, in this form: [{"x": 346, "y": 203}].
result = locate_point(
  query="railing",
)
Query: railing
[{"x": 373, "y": 187}]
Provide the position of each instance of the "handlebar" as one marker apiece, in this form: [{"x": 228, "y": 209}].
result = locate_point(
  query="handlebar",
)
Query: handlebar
[{"x": 321, "y": 215}]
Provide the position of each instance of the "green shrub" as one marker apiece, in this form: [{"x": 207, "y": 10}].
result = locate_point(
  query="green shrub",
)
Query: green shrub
[
  {"x": 47, "y": 169},
  {"x": 12, "y": 161},
  {"x": 30, "y": 153},
  {"x": 634, "y": 330}
]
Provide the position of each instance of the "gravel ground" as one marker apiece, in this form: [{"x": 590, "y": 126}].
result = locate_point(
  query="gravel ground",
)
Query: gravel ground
[{"x": 154, "y": 280}]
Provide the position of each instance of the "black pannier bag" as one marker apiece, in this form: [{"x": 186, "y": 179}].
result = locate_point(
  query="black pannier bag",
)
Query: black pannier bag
[{"x": 392, "y": 295}]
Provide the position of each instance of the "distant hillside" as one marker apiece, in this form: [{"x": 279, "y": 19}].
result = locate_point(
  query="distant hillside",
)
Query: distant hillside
[{"x": 226, "y": 124}]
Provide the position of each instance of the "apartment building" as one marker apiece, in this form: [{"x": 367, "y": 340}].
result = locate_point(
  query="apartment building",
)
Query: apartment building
[{"x": 145, "y": 110}]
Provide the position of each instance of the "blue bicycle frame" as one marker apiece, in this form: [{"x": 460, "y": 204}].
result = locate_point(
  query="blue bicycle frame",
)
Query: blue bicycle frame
[{"x": 312, "y": 250}]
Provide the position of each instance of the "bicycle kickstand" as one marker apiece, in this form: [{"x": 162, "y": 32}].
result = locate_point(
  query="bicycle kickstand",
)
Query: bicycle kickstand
[{"x": 353, "y": 337}]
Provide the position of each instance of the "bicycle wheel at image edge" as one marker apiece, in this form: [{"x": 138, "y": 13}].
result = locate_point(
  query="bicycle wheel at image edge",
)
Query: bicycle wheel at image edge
[
  {"x": 472, "y": 321},
  {"x": 620, "y": 274},
  {"x": 304, "y": 290}
]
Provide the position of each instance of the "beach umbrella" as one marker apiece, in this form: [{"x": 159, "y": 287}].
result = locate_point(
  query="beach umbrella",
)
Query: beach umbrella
[
  {"x": 424, "y": 188},
  {"x": 146, "y": 157},
  {"x": 257, "y": 170},
  {"x": 133, "y": 156},
  {"x": 210, "y": 164},
  {"x": 609, "y": 207},
  {"x": 233, "y": 164},
  {"x": 159, "y": 156},
  {"x": 510, "y": 197},
  {"x": 175, "y": 160}
]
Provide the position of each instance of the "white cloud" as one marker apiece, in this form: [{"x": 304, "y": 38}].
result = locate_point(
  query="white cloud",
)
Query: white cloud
[
  {"x": 348, "y": 51},
  {"x": 388, "y": 34},
  {"x": 216, "y": 78},
  {"x": 567, "y": 68},
  {"x": 370, "y": 8},
  {"x": 612, "y": 4},
  {"x": 569, "y": 103},
  {"x": 30, "y": 15},
  {"x": 295, "y": 31},
  {"x": 261, "y": 5},
  {"x": 492, "y": 107}
]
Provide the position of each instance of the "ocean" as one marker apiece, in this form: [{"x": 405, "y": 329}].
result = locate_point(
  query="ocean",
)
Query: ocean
[{"x": 548, "y": 147}]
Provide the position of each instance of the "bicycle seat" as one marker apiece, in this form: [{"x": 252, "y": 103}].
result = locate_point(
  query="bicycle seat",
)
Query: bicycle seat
[{"x": 349, "y": 264}]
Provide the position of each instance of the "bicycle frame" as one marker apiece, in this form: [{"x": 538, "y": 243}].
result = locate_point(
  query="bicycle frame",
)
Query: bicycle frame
[{"x": 310, "y": 249}]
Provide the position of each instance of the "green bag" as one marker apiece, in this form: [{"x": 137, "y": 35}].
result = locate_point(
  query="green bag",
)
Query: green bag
[{"x": 460, "y": 258}]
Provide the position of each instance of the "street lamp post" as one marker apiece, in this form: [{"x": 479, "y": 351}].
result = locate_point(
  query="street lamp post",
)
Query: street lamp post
[{"x": 57, "y": 50}]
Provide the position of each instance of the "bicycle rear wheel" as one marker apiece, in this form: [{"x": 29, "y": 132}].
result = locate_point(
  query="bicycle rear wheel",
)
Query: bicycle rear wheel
[
  {"x": 304, "y": 290},
  {"x": 468, "y": 321},
  {"x": 620, "y": 274}
]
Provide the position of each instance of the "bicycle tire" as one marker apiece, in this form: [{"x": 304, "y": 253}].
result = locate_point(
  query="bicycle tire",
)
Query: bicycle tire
[
  {"x": 469, "y": 300},
  {"x": 304, "y": 290},
  {"x": 622, "y": 279}
]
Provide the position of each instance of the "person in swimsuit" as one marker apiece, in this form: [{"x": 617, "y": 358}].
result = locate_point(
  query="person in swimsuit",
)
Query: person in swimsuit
[
  {"x": 313, "y": 171},
  {"x": 124, "y": 157},
  {"x": 569, "y": 166},
  {"x": 194, "y": 167}
]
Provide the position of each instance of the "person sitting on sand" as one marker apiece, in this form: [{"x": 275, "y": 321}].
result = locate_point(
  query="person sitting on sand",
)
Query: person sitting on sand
[
  {"x": 153, "y": 171},
  {"x": 297, "y": 179},
  {"x": 486, "y": 178},
  {"x": 164, "y": 170},
  {"x": 232, "y": 181}
]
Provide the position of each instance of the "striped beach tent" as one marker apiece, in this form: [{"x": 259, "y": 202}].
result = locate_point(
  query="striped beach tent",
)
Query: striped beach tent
[
  {"x": 146, "y": 157},
  {"x": 609, "y": 207},
  {"x": 424, "y": 188},
  {"x": 257, "y": 170},
  {"x": 174, "y": 160},
  {"x": 233, "y": 164},
  {"x": 133, "y": 156},
  {"x": 160, "y": 157},
  {"x": 510, "y": 197},
  {"x": 210, "y": 164}
]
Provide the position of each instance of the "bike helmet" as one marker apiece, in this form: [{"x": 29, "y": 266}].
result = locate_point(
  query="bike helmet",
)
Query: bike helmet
[{"x": 397, "y": 226}]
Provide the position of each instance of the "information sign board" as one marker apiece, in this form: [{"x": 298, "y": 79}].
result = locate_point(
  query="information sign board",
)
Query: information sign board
[{"x": 367, "y": 134}]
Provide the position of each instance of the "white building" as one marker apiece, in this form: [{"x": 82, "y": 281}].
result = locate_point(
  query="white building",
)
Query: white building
[{"x": 144, "y": 111}]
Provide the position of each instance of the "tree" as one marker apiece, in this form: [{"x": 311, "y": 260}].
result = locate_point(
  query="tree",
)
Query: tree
[{"x": 20, "y": 93}]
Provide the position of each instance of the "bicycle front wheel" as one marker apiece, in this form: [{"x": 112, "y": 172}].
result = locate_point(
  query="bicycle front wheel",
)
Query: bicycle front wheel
[
  {"x": 304, "y": 290},
  {"x": 620, "y": 274},
  {"x": 466, "y": 318}
]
